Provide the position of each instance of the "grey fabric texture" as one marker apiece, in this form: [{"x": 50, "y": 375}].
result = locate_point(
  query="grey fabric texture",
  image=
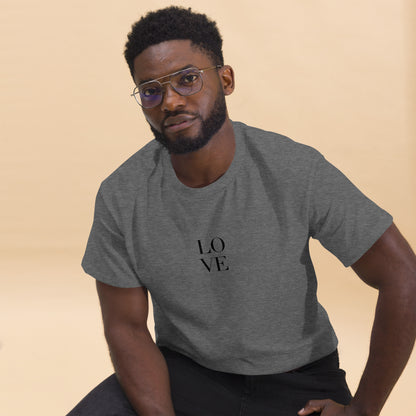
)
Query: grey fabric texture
[{"x": 228, "y": 265}]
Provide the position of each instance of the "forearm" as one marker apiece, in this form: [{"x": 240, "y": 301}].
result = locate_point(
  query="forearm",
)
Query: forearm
[
  {"x": 392, "y": 340},
  {"x": 142, "y": 372}
]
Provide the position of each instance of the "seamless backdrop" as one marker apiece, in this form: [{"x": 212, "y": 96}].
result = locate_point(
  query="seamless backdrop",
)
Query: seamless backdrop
[{"x": 339, "y": 76}]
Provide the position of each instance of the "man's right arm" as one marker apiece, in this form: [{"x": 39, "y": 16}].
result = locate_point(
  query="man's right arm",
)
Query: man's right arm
[{"x": 139, "y": 365}]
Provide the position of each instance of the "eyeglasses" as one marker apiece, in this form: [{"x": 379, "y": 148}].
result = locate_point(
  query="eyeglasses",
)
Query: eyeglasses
[{"x": 185, "y": 82}]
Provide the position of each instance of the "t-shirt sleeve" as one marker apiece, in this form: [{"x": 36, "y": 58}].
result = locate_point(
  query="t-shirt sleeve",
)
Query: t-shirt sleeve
[
  {"x": 106, "y": 257},
  {"x": 342, "y": 218}
]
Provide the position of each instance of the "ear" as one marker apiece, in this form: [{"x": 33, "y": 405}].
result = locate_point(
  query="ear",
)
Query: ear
[{"x": 226, "y": 74}]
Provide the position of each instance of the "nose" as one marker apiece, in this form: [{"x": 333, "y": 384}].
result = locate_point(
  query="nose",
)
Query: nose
[{"x": 171, "y": 100}]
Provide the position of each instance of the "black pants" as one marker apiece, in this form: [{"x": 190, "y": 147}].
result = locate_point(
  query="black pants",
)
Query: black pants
[{"x": 199, "y": 391}]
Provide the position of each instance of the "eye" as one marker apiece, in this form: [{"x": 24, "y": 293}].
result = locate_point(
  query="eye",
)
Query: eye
[
  {"x": 189, "y": 79},
  {"x": 150, "y": 91}
]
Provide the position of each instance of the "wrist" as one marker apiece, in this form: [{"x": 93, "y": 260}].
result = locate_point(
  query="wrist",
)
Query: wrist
[{"x": 362, "y": 409}]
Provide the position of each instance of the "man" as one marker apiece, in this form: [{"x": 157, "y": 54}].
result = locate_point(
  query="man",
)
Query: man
[{"x": 213, "y": 218}]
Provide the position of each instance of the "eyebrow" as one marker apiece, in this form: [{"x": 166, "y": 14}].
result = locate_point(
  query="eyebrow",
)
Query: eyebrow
[{"x": 164, "y": 76}]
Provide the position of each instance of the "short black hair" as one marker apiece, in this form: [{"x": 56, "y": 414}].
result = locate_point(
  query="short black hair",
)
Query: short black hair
[{"x": 173, "y": 23}]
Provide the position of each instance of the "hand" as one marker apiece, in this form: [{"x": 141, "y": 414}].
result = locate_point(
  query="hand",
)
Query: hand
[{"x": 327, "y": 408}]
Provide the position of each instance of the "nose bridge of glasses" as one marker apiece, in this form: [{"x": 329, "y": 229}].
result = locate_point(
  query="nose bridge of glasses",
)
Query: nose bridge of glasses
[
  {"x": 170, "y": 97},
  {"x": 164, "y": 87},
  {"x": 169, "y": 78}
]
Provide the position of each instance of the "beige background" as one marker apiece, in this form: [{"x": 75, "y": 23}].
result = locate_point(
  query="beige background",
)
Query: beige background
[{"x": 337, "y": 75}]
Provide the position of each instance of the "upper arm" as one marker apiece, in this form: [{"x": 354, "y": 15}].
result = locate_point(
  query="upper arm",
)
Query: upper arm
[
  {"x": 390, "y": 261},
  {"x": 123, "y": 306}
]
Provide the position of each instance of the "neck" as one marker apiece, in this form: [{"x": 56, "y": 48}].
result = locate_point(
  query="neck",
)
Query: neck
[{"x": 206, "y": 165}]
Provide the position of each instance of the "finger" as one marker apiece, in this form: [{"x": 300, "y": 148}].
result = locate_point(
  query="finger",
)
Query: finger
[{"x": 314, "y": 406}]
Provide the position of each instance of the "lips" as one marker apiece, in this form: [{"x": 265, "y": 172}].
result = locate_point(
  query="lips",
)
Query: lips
[{"x": 179, "y": 122}]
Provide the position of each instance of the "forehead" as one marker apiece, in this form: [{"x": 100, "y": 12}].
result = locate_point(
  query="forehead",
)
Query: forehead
[{"x": 167, "y": 57}]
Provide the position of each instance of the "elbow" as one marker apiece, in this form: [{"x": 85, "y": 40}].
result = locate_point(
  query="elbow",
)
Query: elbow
[{"x": 125, "y": 333}]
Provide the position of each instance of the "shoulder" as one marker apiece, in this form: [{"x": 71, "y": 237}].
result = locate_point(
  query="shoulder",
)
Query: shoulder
[
  {"x": 134, "y": 171},
  {"x": 275, "y": 149}
]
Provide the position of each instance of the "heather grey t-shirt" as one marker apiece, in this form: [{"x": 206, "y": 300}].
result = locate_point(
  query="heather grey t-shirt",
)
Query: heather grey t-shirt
[{"x": 228, "y": 265}]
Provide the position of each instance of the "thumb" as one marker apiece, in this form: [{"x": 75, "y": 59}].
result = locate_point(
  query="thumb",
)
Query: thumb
[{"x": 314, "y": 406}]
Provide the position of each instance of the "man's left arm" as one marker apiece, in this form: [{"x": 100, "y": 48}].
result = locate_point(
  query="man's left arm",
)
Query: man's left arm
[{"x": 389, "y": 266}]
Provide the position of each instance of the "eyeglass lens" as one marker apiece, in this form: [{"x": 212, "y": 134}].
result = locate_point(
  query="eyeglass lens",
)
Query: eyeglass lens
[{"x": 186, "y": 82}]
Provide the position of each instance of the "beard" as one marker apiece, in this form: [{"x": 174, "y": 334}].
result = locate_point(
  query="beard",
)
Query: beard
[{"x": 183, "y": 144}]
